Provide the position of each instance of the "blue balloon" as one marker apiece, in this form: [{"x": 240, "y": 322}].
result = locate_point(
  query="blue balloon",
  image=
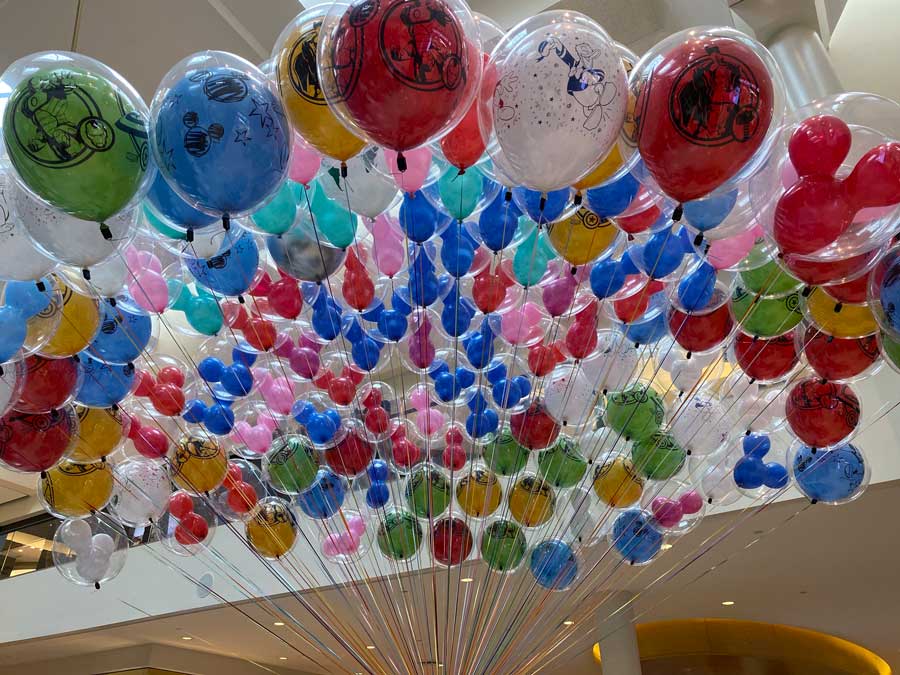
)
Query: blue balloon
[
  {"x": 554, "y": 564},
  {"x": 479, "y": 346},
  {"x": 321, "y": 428},
  {"x": 366, "y": 353},
  {"x": 102, "y": 384},
  {"x": 211, "y": 369},
  {"x": 243, "y": 353},
  {"x": 326, "y": 317},
  {"x": 221, "y": 139},
  {"x": 635, "y": 537},
  {"x": 13, "y": 331},
  {"x": 499, "y": 222},
  {"x": 661, "y": 255},
  {"x": 507, "y": 393},
  {"x": 237, "y": 379},
  {"x": 194, "y": 411},
  {"x": 123, "y": 334},
  {"x": 834, "y": 475},
  {"x": 302, "y": 411},
  {"x": 496, "y": 371},
  {"x": 169, "y": 204},
  {"x": 219, "y": 419},
  {"x": 756, "y": 445},
  {"x": 465, "y": 378},
  {"x": 445, "y": 387},
  {"x": 232, "y": 270},
  {"x": 457, "y": 252},
  {"x": 26, "y": 297},
  {"x": 705, "y": 214},
  {"x": 324, "y": 497},
  {"x": 419, "y": 218},
  {"x": 696, "y": 290},
  {"x": 423, "y": 282},
  {"x": 613, "y": 198},
  {"x": 378, "y": 471},
  {"x": 607, "y": 278},
  {"x": 392, "y": 324},
  {"x": 482, "y": 424},
  {"x": 749, "y": 473},
  {"x": 529, "y": 201},
  {"x": 777, "y": 476},
  {"x": 378, "y": 495},
  {"x": 888, "y": 294},
  {"x": 458, "y": 312}
]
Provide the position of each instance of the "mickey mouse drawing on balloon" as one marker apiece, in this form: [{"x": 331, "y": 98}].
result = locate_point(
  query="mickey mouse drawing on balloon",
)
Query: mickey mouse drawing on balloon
[{"x": 587, "y": 84}]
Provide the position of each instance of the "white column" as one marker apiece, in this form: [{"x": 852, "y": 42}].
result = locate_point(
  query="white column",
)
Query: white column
[
  {"x": 805, "y": 64},
  {"x": 618, "y": 640}
]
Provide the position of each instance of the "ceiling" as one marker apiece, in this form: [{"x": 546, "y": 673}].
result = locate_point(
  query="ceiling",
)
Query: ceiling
[{"x": 825, "y": 568}]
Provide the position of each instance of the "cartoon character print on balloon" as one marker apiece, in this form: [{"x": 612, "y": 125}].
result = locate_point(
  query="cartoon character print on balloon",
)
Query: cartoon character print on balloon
[
  {"x": 303, "y": 72},
  {"x": 587, "y": 84}
]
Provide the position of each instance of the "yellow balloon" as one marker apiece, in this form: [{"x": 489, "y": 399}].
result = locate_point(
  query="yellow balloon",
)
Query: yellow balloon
[
  {"x": 100, "y": 430},
  {"x": 199, "y": 464},
  {"x": 272, "y": 530},
  {"x": 842, "y": 320},
  {"x": 298, "y": 83},
  {"x": 531, "y": 501},
  {"x": 581, "y": 237},
  {"x": 602, "y": 172},
  {"x": 78, "y": 325},
  {"x": 479, "y": 494},
  {"x": 617, "y": 483},
  {"x": 71, "y": 490}
]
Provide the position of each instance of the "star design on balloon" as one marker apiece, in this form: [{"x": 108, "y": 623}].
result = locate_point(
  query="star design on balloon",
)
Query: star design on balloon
[
  {"x": 262, "y": 110},
  {"x": 242, "y": 136}
]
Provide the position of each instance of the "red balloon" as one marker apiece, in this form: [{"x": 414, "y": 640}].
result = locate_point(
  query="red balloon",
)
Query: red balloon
[
  {"x": 377, "y": 420},
  {"x": 581, "y": 338},
  {"x": 822, "y": 414},
  {"x": 168, "y": 399},
  {"x": 818, "y": 272},
  {"x": 819, "y": 145},
  {"x": 342, "y": 390},
  {"x": 260, "y": 333},
  {"x": 404, "y": 452},
  {"x": 357, "y": 288},
  {"x": 242, "y": 497},
  {"x": 454, "y": 457},
  {"x": 465, "y": 145},
  {"x": 542, "y": 359},
  {"x": 638, "y": 222},
  {"x": 766, "y": 360},
  {"x": 191, "y": 530},
  {"x": 701, "y": 332},
  {"x": 875, "y": 180},
  {"x": 180, "y": 505},
  {"x": 839, "y": 358},
  {"x": 150, "y": 441},
  {"x": 855, "y": 291},
  {"x": 285, "y": 298},
  {"x": 351, "y": 455},
  {"x": 534, "y": 428},
  {"x": 489, "y": 290},
  {"x": 401, "y": 68},
  {"x": 451, "y": 541},
  {"x": 35, "y": 442},
  {"x": 49, "y": 384},
  {"x": 171, "y": 375},
  {"x": 702, "y": 113},
  {"x": 812, "y": 214}
]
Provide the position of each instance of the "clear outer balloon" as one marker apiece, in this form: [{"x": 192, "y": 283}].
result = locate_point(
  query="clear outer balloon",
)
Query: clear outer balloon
[
  {"x": 298, "y": 253},
  {"x": 554, "y": 96},
  {"x": 399, "y": 74},
  {"x": 76, "y": 132},
  {"x": 19, "y": 259},
  {"x": 708, "y": 110},
  {"x": 141, "y": 491},
  {"x": 90, "y": 551},
  {"x": 66, "y": 238},
  {"x": 569, "y": 396},
  {"x": 219, "y": 135},
  {"x": 701, "y": 424},
  {"x": 368, "y": 191},
  {"x": 717, "y": 481},
  {"x": 615, "y": 362},
  {"x": 296, "y": 72}
]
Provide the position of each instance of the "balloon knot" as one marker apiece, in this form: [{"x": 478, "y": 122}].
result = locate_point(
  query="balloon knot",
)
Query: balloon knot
[
  {"x": 699, "y": 240},
  {"x": 829, "y": 339},
  {"x": 462, "y": 172},
  {"x": 226, "y": 221},
  {"x": 105, "y": 231},
  {"x": 240, "y": 299},
  {"x": 97, "y": 585},
  {"x": 577, "y": 199},
  {"x": 189, "y": 235},
  {"x": 401, "y": 162},
  {"x": 343, "y": 169},
  {"x": 112, "y": 302},
  {"x": 542, "y": 203},
  {"x": 806, "y": 291},
  {"x": 813, "y": 501},
  {"x": 86, "y": 273},
  {"x": 677, "y": 213},
  {"x": 507, "y": 196},
  {"x": 838, "y": 307},
  {"x": 41, "y": 286}
]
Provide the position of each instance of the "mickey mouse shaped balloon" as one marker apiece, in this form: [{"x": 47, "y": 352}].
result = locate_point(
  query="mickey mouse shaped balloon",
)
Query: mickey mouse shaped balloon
[{"x": 709, "y": 104}]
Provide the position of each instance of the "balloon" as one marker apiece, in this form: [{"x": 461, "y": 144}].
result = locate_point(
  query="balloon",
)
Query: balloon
[
  {"x": 554, "y": 94},
  {"x": 399, "y": 535},
  {"x": 617, "y": 483},
  {"x": 417, "y": 163},
  {"x": 705, "y": 103},
  {"x": 336, "y": 223},
  {"x": 298, "y": 254},
  {"x": 554, "y": 565},
  {"x": 534, "y": 428},
  {"x": 33, "y": 443},
  {"x": 290, "y": 466},
  {"x": 658, "y": 456},
  {"x": 296, "y": 72},
  {"x": 77, "y": 134},
  {"x": 582, "y": 237},
  {"x": 123, "y": 334},
  {"x": 427, "y": 491},
  {"x": 702, "y": 330},
  {"x": 451, "y": 541},
  {"x": 635, "y": 412},
  {"x": 504, "y": 455},
  {"x": 531, "y": 501},
  {"x": 324, "y": 497},
  {"x": 305, "y": 162},
  {"x": 479, "y": 493},
  {"x": 79, "y": 323},
  {"x": 71, "y": 490},
  {"x": 101, "y": 384},
  {"x": 839, "y": 319},
  {"x": 141, "y": 491},
  {"x": 769, "y": 280},
  {"x": 366, "y": 189},
  {"x": 562, "y": 465},
  {"x": 502, "y": 545},
  {"x": 822, "y": 414},
  {"x": 839, "y": 358},
  {"x": 765, "y": 317},
  {"x": 279, "y": 213},
  {"x": 100, "y": 431},
  {"x": 834, "y": 476},
  {"x": 198, "y": 464},
  {"x": 232, "y": 270},
  {"x": 399, "y": 74},
  {"x": 700, "y": 425},
  {"x": 272, "y": 531},
  {"x": 766, "y": 360},
  {"x": 219, "y": 136},
  {"x": 635, "y": 537},
  {"x": 19, "y": 259},
  {"x": 461, "y": 193},
  {"x": 49, "y": 383}
]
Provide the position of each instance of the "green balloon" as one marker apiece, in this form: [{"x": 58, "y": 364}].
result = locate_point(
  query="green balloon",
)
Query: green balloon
[
  {"x": 503, "y": 545},
  {"x": 160, "y": 225},
  {"x": 277, "y": 217},
  {"x": 504, "y": 455},
  {"x": 635, "y": 412},
  {"x": 769, "y": 279},
  {"x": 460, "y": 192},
  {"x": 658, "y": 457},
  {"x": 531, "y": 258},
  {"x": 562, "y": 465},
  {"x": 765, "y": 317},
  {"x": 399, "y": 535},
  {"x": 291, "y": 464},
  {"x": 76, "y": 141},
  {"x": 336, "y": 224},
  {"x": 427, "y": 491},
  {"x": 891, "y": 349}
]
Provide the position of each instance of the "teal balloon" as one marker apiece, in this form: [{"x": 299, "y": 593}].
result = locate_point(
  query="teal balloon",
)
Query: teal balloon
[
  {"x": 336, "y": 224},
  {"x": 531, "y": 258},
  {"x": 278, "y": 215},
  {"x": 460, "y": 192},
  {"x": 162, "y": 226},
  {"x": 201, "y": 311}
]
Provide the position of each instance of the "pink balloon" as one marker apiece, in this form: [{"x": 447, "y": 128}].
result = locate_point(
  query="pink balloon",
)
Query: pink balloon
[
  {"x": 521, "y": 324},
  {"x": 559, "y": 294},
  {"x": 387, "y": 247},
  {"x": 284, "y": 346},
  {"x": 418, "y": 162},
  {"x": 305, "y": 162},
  {"x": 668, "y": 512},
  {"x": 305, "y": 362},
  {"x": 429, "y": 421},
  {"x": 691, "y": 502},
  {"x": 149, "y": 290},
  {"x": 419, "y": 398},
  {"x": 356, "y": 525},
  {"x": 279, "y": 395},
  {"x": 724, "y": 253},
  {"x": 258, "y": 439}
]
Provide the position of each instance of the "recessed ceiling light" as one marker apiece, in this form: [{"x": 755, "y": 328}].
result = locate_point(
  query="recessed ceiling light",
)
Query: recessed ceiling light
[
  {"x": 278, "y": 623},
  {"x": 728, "y": 603},
  {"x": 568, "y": 622},
  {"x": 370, "y": 646},
  {"x": 665, "y": 547},
  {"x": 466, "y": 580},
  {"x": 186, "y": 637},
  {"x": 282, "y": 658}
]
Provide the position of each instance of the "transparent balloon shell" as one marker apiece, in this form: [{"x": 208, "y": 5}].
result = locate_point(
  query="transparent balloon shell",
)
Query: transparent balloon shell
[
  {"x": 165, "y": 529},
  {"x": 75, "y": 537},
  {"x": 142, "y": 488},
  {"x": 822, "y": 456}
]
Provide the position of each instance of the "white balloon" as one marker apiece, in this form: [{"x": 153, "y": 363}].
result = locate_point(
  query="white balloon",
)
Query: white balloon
[
  {"x": 76, "y": 534},
  {"x": 19, "y": 259},
  {"x": 108, "y": 278},
  {"x": 614, "y": 363},
  {"x": 370, "y": 190},
  {"x": 141, "y": 492},
  {"x": 92, "y": 566},
  {"x": 718, "y": 487},
  {"x": 559, "y": 102},
  {"x": 102, "y": 545},
  {"x": 569, "y": 396},
  {"x": 701, "y": 425}
]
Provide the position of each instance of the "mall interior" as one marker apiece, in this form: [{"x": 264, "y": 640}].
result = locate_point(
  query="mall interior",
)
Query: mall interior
[{"x": 449, "y": 337}]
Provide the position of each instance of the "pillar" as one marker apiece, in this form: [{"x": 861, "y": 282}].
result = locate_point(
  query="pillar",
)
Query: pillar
[
  {"x": 805, "y": 64},
  {"x": 618, "y": 640}
]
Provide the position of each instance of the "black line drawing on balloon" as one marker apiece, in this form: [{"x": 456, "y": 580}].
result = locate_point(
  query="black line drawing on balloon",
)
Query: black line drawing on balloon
[
  {"x": 502, "y": 111},
  {"x": 303, "y": 70},
  {"x": 263, "y": 110},
  {"x": 242, "y": 136},
  {"x": 586, "y": 84},
  {"x": 197, "y": 140},
  {"x": 228, "y": 86},
  {"x": 135, "y": 127}
]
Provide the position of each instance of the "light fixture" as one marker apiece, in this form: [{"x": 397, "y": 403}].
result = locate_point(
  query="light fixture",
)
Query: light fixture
[
  {"x": 568, "y": 622},
  {"x": 282, "y": 658},
  {"x": 466, "y": 580},
  {"x": 370, "y": 646},
  {"x": 186, "y": 637},
  {"x": 278, "y": 623},
  {"x": 665, "y": 547},
  {"x": 728, "y": 603}
]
